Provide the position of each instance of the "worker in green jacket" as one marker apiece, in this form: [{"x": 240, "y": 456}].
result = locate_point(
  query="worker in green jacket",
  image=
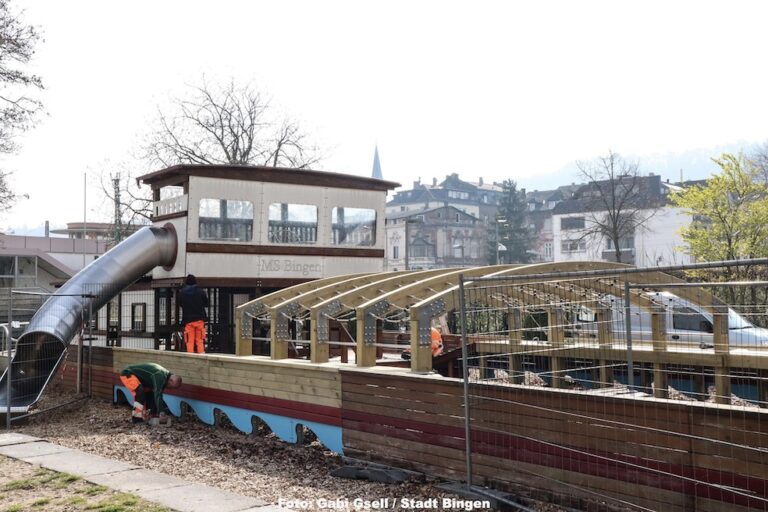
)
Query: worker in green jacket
[{"x": 146, "y": 382}]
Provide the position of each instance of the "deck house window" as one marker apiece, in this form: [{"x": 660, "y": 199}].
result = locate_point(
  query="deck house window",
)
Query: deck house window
[
  {"x": 138, "y": 316},
  {"x": 227, "y": 220},
  {"x": 292, "y": 223},
  {"x": 353, "y": 226}
]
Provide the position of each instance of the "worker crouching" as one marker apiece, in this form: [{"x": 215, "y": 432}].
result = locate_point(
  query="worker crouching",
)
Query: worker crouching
[{"x": 146, "y": 383}]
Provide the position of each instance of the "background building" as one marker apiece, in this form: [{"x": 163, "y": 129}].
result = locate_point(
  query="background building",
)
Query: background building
[
  {"x": 655, "y": 241},
  {"x": 435, "y": 238}
]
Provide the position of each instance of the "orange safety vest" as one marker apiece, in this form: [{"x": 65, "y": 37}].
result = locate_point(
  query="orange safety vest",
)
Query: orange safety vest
[{"x": 437, "y": 343}]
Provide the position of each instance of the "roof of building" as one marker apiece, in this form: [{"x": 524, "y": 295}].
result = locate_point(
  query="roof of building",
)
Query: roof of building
[
  {"x": 93, "y": 227},
  {"x": 178, "y": 174},
  {"x": 647, "y": 192},
  {"x": 422, "y": 211}
]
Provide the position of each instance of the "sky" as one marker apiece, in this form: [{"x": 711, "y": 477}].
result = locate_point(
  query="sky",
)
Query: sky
[{"x": 497, "y": 90}]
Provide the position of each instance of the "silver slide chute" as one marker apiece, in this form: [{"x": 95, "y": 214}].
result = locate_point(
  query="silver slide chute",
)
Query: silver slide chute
[{"x": 41, "y": 347}]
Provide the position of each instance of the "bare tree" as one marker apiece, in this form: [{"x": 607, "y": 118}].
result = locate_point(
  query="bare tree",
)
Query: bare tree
[
  {"x": 617, "y": 201},
  {"x": 227, "y": 124},
  {"x": 17, "y": 110},
  {"x": 124, "y": 202}
]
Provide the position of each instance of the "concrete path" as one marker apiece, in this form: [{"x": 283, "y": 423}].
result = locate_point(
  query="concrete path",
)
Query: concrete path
[{"x": 165, "y": 490}]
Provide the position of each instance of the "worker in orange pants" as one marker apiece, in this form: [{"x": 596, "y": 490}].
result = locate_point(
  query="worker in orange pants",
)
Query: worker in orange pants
[
  {"x": 194, "y": 302},
  {"x": 146, "y": 382},
  {"x": 194, "y": 336}
]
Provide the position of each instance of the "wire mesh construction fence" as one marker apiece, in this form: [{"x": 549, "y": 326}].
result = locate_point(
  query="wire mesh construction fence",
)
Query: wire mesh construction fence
[
  {"x": 47, "y": 344},
  {"x": 618, "y": 390}
]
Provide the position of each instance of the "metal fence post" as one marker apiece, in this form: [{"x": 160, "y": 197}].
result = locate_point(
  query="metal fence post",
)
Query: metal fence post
[
  {"x": 628, "y": 325},
  {"x": 465, "y": 373},
  {"x": 80, "y": 355},
  {"x": 90, "y": 347},
  {"x": 8, "y": 372}
]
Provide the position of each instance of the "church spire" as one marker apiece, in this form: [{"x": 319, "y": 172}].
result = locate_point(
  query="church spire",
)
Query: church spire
[{"x": 376, "y": 165}]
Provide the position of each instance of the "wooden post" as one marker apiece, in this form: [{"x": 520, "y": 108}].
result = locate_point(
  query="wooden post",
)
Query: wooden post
[
  {"x": 660, "y": 385},
  {"x": 606, "y": 374},
  {"x": 720, "y": 328},
  {"x": 515, "y": 324},
  {"x": 723, "y": 384},
  {"x": 318, "y": 352},
  {"x": 721, "y": 341},
  {"x": 556, "y": 367},
  {"x": 421, "y": 356},
  {"x": 659, "y": 343},
  {"x": 555, "y": 320},
  {"x": 366, "y": 354},
  {"x": 556, "y": 336},
  {"x": 698, "y": 386},
  {"x": 659, "y": 329},
  {"x": 277, "y": 349},
  {"x": 762, "y": 385},
  {"x": 243, "y": 344},
  {"x": 603, "y": 318}
]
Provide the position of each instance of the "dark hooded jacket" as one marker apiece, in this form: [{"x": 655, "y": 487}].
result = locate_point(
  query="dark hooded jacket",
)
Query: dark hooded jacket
[{"x": 193, "y": 302}]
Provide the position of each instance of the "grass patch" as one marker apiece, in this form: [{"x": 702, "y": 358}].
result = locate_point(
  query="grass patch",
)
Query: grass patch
[
  {"x": 76, "y": 500},
  {"x": 25, "y": 483},
  {"x": 64, "y": 480},
  {"x": 46, "y": 489},
  {"x": 93, "y": 490},
  {"x": 118, "y": 503}
]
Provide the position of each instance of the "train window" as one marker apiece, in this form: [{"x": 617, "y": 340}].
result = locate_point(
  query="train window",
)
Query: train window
[
  {"x": 292, "y": 223},
  {"x": 689, "y": 319},
  {"x": 226, "y": 219},
  {"x": 353, "y": 226}
]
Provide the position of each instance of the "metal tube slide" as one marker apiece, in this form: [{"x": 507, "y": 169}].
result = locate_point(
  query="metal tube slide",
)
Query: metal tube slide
[{"x": 42, "y": 346}]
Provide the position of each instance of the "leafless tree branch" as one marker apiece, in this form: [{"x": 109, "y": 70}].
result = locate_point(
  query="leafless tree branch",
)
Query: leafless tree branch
[
  {"x": 17, "y": 110},
  {"x": 617, "y": 200},
  {"x": 227, "y": 124}
]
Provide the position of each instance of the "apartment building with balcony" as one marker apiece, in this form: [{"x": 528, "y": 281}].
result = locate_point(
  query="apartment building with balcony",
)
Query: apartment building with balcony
[
  {"x": 655, "y": 241},
  {"x": 438, "y": 237}
]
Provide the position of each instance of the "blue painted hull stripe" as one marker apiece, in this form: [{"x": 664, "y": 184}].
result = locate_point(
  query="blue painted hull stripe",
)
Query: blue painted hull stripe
[{"x": 284, "y": 427}]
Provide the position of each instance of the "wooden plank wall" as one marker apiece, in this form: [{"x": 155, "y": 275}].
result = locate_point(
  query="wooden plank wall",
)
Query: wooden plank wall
[
  {"x": 652, "y": 453},
  {"x": 102, "y": 377},
  {"x": 659, "y": 454},
  {"x": 297, "y": 389}
]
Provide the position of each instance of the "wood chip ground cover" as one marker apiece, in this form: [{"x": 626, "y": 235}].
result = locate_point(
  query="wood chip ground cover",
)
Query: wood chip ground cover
[{"x": 258, "y": 465}]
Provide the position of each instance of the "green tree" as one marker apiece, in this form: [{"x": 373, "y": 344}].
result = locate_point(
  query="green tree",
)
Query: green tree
[
  {"x": 729, "y": 215},
  {"x": 511, "y": 223}
]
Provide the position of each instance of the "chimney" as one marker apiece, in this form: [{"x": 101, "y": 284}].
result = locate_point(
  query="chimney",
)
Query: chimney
[
  {"x": 434, "y": 182},
  {"x": 481, "y": 181},
  {"x": 47, "y": 231}
]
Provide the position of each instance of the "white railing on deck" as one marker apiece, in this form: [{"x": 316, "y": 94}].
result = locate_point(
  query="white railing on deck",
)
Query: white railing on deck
[{"x": 171, "y": 205}]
